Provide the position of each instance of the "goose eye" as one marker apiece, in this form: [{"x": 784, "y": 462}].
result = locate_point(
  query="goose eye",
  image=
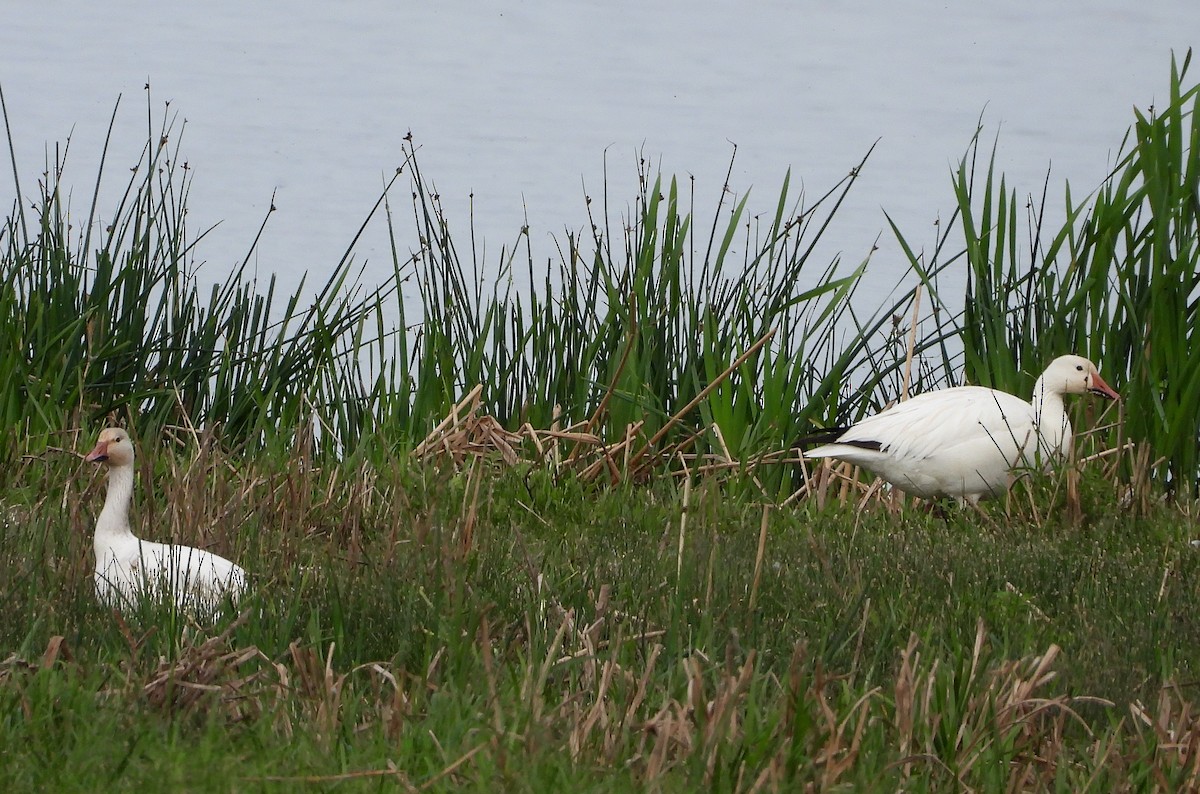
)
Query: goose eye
[{"x": 1079, "y": 368}]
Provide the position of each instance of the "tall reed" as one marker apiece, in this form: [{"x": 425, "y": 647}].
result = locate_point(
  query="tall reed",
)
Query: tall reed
[
  {"x": 638, "y": 320},
  {"x": 634, "y": 325},
  {"x": 109, "y": 317},
  {"x": 630, "y": 332}
]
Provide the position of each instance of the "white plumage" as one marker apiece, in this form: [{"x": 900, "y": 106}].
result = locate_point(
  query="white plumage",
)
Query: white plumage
[
  {"x": 966, "y": 441},
  {"x": 128, "y": 569}
]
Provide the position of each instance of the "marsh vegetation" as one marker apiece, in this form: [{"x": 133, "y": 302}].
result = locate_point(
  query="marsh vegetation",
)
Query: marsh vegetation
[{"x": 555, "y": 535}]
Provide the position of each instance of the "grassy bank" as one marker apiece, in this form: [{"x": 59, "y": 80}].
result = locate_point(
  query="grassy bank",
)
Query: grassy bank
[
  {"x": 556, "y": 538},
  {"x": 498, "y": 628}
]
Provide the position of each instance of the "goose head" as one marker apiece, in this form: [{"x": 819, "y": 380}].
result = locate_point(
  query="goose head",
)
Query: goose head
[
  {"x": 113, "y": 448},
  {"x": 1076, "y": 375}
]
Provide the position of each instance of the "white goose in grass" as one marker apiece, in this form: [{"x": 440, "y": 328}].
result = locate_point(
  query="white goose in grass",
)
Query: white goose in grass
[
  {"x": 966, "y": 441},
  {"x": 128, "y": 569}
]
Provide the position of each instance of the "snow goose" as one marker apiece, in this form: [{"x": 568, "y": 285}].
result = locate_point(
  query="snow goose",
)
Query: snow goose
[
  {"x": 129, "y": 569},
  {"x": 966, "y": 441}
]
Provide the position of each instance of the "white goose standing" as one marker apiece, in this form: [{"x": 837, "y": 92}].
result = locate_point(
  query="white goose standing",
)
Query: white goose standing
[
  {"x": 966, "y": 441},
  {"x": 129, "y": 569}
]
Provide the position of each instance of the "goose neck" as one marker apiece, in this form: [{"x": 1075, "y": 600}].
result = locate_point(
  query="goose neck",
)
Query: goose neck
[
  {"x": 113, "y": 521},
  {"x": 1050, "y": 417},
  {"x": 1047, "y": 401}
]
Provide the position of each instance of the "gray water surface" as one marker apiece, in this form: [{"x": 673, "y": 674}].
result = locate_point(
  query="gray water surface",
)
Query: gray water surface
[{"x": 517, "y": 104}]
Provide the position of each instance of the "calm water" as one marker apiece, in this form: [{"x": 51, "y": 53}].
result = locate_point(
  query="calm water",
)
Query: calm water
[{"x": 518, "y": 102}]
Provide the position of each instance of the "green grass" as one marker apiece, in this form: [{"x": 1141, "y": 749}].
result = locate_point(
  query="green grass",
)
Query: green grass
[{"x": 379, "y": 634}]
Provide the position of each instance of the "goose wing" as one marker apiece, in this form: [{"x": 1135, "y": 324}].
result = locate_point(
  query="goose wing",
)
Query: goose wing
[
  {"x": 947, "y": 421},
  {"x": 967, "y": 421}
]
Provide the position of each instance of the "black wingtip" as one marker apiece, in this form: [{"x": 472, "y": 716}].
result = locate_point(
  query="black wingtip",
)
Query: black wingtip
[
  {"x": 871, "y": 445},
  {"x": 827, "y": 436}
]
